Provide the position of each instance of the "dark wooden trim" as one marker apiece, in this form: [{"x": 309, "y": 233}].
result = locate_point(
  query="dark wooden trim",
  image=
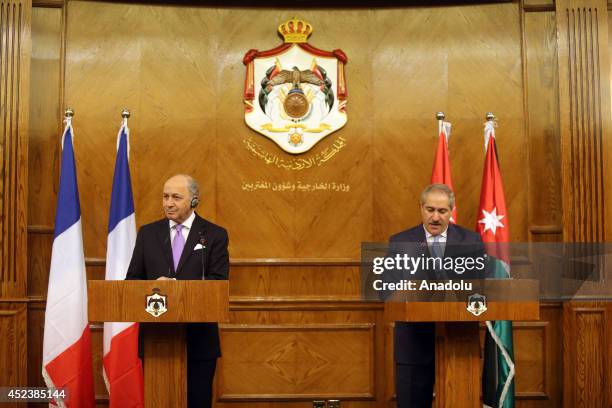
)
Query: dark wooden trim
[
  {"x": 545, "y": 229},
  {"x": 95, "y": 261},
  {"x": 261, "y": 304},
  {"x": 40, "y": 229},
  {"x": 295, "y": 262},
  {"x": 13, "y": 300},
  {"x": 531, "y": 395},
  {"x": 538, "y": 8},
  {"x": 48, "y": 3}
]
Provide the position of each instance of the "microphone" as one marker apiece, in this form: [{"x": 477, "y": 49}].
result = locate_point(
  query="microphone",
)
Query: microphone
[
  {"x": 170, "y": 274},
  {"x": 203, "y": 243}
]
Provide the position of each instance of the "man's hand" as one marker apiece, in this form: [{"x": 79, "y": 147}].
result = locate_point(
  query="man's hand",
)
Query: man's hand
[{"x": 165, "y": 278}]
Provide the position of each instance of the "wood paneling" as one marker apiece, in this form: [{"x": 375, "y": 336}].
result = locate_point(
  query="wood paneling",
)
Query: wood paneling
[
  {"x": 297, "y": 362},
  {"x": 538, "y": 354},
  {"x": 584, "y": 117},
  {"x": 301, "y": 281},
  {"x": 538, "y": 5},
  {"x": 542, "y": 111},
  {"x": 179, "y": 70},
  {"x": 45, "y": 116},
  {"x": 385, "y": 161},
  {"x": 13, "y": 348},
  {"x": 446, "y": 67},
  {"x": 162, "y": 70},
  {"x": 36, "y": 324},
  {"x": 586, "y": 344},
  {"x": 15, "y": 46},
  {"x": 39, "y": 246}
]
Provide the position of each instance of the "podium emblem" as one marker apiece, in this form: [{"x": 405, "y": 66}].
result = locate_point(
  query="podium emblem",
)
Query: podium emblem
[
  {"x": 156, "y": 303},
  {"x": 477, "y": 304}
]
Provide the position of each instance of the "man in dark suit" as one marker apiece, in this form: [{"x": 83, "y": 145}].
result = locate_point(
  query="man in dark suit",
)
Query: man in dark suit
[
  {"x": 186, "y": 246},
  {"x": 414, "y": 343}
]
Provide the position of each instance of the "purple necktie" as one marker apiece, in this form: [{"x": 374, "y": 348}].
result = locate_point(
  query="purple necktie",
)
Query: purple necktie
[{"x": 177, "y": 245}]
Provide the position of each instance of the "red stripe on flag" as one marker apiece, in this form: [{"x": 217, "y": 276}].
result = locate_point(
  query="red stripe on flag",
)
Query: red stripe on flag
[
  {"x": 124, "y": 370},
  {"x": 441, "y": 173},
  {"x": 72, "y": 370}
]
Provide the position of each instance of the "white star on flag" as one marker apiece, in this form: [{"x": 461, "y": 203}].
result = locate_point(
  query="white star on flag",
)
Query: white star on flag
[{"x": 491, "y": 220}]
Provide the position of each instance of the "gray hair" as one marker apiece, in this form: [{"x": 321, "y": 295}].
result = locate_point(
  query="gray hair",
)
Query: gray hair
[
  {"x": 442, "y": 188},
  {"x": 193, "y": 186}
]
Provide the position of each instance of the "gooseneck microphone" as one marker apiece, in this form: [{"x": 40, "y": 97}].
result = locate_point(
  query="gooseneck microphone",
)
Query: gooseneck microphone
[{"x": 170, "y": 273}]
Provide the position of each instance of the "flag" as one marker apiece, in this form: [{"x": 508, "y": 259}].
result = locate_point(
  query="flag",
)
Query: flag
[
  {"x": 122, "y": 369},
  {"x": 67, "y": 359},
  {"x": 441, "y": 172},
  {"x": 498, "y": 372}
]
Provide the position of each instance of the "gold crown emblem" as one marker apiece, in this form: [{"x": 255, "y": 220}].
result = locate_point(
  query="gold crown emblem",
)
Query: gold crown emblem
[{"x": 295, "y": 31}]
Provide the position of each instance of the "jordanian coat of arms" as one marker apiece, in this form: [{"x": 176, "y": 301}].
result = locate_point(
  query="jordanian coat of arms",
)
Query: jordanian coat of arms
[
  {"x": 295, "y": 94},
  {"x": 156, "y": 303}
]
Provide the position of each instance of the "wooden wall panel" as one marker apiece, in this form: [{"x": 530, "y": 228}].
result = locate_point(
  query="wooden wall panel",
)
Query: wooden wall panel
[
  {"x": 15, "y": 46},
  {"x": 44, "y": 123},
  {"x": 584, "y": 117},
  {"x": 44, "y": 143},
  {"x": 202, "y": 113},
  {"x": 13, "y": 348},
  {"x": 446, "y": 67},
  {"x": 39, "y": 245},
  {"x": 297, "y": 362},
  {"x": 296, "y": 281},
  {"x": 539, "y": 359},
  {"x": 160, "y": 69},
  {"x": 43, "y": 175},
  {"x": 588, "y": 363},
  {"x": 542, "y": 110},
  {"x": 36, "y": 325}
]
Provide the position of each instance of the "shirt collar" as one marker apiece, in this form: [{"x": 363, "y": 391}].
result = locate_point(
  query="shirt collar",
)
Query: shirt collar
[
  {"x": 186, "y": 224},
  {"x": 429, "y": 236}
]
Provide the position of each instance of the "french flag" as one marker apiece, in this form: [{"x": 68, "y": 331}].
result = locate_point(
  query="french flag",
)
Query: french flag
[
  {"x": 67, "y": 361},
  {"x": 122, "y": 368}
]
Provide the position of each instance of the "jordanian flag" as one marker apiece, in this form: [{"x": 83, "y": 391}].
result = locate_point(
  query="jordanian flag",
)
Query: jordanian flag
[
  {"x": 498, "y": 372},
  {"x": 441, "y": 172}
]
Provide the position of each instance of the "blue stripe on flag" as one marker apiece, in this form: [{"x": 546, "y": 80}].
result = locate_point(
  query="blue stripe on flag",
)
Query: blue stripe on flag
[
  {"x": 122, "y": 200},
  {"x": 68, "y": 209}
]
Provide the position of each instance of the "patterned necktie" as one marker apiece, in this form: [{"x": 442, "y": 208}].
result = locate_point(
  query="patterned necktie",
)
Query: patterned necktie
[
  {"x": 177, "y": 245},
  {"x": 437, "y": 250},
  {"x": 436, "y": 247}
]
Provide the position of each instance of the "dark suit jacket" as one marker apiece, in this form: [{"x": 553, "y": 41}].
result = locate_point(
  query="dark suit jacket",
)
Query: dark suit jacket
[
  {"x": 152, "y": 258},
  {"x": 414, "y": 343}
]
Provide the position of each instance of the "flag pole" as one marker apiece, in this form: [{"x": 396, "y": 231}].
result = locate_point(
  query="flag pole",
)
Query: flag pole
[
  {"x": 490, "y": 119},
  {"x": 125, "y": 114},
  {"x": 440, "y": 116},
  {"x": 69, "y": 113}
]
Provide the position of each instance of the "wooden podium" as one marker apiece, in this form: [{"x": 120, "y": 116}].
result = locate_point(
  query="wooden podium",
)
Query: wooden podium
[
  {"x": 459, "y": 360},
  {"x": 165, "y": 353}
]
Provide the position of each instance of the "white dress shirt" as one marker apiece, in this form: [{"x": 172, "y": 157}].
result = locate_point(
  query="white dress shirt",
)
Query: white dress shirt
[{"x": 186, "y": 227}]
